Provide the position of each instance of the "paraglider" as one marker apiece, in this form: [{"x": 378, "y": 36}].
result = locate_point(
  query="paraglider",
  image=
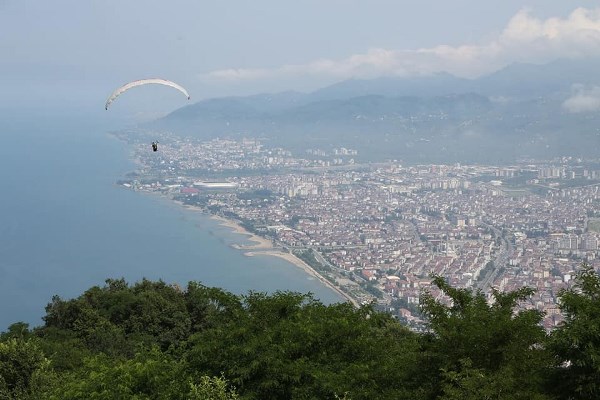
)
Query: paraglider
[
  {"x": 133, "y": 84},
  {"x": 155, "y": 145}
]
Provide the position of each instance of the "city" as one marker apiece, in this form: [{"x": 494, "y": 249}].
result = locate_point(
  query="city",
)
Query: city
[{"x": 380, "y": 231}]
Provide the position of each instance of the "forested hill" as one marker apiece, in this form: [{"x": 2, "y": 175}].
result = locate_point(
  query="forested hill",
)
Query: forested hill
[
  {"x": 522, "y": 111},
  {"x": 152, "y": 340}
]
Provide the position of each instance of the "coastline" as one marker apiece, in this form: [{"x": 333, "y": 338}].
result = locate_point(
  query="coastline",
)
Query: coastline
[
  {"x": 264, "y": 247},
  {"x": 260, "y": 245},
  {"x": 260, "y": 242},
  {"x": 289, "y": 257}
]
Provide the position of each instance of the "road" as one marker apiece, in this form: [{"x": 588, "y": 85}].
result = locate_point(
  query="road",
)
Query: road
[{"x": 499, "y": 262}]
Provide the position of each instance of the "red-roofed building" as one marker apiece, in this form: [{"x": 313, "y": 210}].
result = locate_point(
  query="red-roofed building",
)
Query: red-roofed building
[{"x": 189, "y": 190}]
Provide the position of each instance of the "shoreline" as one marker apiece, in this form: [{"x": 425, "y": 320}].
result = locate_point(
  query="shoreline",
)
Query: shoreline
[
  {"x": 289, "y": 257},
  {"x": 265, "y": 247},
  {"x": 260, "y": 242}
]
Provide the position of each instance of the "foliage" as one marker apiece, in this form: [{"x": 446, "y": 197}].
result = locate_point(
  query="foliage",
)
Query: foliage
[
  {"x": 576, "y": 344},
  {"x": 151, "y": 340},
  {"x": 215, "y": 388},
  {"x": 23, "y": 369},
  {"x": 372, "y": 289},
  {"x": 289, "y": 346},
  {"x": 257, "y": 194},
  {"x": 115, "y": 318},
  {"x": 490, "y": 347},
  {"x": 308, "y": 256},
  {"x": 18, "y": 330},
  {"x": 150, "y": 374}
]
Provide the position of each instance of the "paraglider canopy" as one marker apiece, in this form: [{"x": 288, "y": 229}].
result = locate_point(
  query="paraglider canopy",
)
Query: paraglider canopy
[{"x": 141, "y": 82}]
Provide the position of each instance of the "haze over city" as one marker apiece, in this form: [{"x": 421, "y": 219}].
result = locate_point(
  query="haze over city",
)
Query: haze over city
[{"x": 332, "y": 199}]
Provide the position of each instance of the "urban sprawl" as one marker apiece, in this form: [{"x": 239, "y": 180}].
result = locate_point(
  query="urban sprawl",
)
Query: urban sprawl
[{"x": 378, "y": 231}]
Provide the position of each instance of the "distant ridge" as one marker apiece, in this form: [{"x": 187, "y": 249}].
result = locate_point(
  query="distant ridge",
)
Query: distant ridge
[{"x": 439, "y": 117}]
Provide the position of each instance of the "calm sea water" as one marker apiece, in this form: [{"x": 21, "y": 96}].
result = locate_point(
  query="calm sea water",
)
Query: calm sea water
[{"x": 65, "y": 226}]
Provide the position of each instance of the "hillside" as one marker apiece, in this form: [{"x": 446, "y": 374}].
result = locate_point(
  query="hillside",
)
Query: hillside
[
  {"x": 151, "y": 340},
  {"x": 517, "y": 112}
]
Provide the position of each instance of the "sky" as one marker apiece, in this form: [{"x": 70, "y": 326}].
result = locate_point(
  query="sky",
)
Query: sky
[{"x": 71, "y": 54}]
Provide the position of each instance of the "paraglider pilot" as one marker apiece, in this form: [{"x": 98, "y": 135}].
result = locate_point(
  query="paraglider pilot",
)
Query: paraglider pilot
[{"x": 155, "y": 146}]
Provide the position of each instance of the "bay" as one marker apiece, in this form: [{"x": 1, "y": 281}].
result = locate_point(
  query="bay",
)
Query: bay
[{"x": 65, "y": 226}]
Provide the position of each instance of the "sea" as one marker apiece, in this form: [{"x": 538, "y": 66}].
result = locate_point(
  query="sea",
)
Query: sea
[{"x": 66, "y": 226}]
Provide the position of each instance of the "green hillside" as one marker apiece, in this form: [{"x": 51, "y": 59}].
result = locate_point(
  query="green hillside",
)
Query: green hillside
[{"x": 151, "y": 340}]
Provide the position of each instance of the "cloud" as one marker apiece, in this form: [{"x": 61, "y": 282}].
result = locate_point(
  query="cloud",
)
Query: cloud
[
  {"x": 583, "y": 100},
  {"x": 524, "y": 39},
  {"x": 373, "y": 62}
]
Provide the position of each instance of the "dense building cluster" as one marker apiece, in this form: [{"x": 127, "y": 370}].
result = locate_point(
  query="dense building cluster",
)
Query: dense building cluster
[{"x": 390, "y": 227}]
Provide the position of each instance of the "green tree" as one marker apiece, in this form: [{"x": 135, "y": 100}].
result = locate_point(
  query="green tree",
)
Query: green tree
[
  {"x": 151, "y": 374},
  {"x": 210, "y": 307},
  {"x": 576, "y": 343},
  {"x": 151, "y": 340},
  {"x": 118, "y": 317},
  {"x": 290, "y": 346},
  {"x": 477, "y": 350},
  {"x": 18, "y": 330},
  {"x": 23, "y": 369},
  {"x": 215, "y": 388}
]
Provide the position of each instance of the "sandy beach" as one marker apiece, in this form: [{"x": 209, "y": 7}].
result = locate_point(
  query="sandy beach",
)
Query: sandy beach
[
  {"x": 262, "y": 246},
  {"x": 259, "y": 242},
  {"x": 307, "y": 268},
  {"x": 265, "y": 247}
]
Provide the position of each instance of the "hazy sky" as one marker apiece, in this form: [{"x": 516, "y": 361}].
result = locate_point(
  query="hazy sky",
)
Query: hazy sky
[{"x": 75, "y": 52}]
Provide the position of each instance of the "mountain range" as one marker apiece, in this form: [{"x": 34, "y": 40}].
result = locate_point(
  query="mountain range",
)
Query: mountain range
[{"x": 517, "y": 112}]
